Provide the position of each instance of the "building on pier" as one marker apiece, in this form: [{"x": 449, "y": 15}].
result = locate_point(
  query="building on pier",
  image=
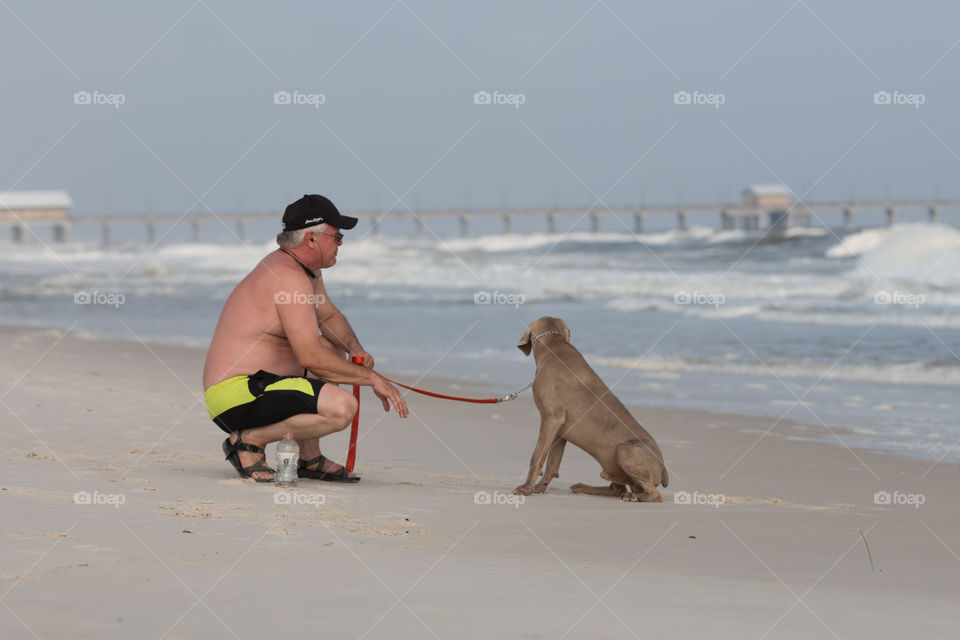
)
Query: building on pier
[
  {"x": 19, "y": 209},
  {"x": 766, "y": 196}
]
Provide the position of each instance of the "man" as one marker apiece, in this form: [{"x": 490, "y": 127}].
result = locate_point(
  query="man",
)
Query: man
[{"x": 269, "y": 372}]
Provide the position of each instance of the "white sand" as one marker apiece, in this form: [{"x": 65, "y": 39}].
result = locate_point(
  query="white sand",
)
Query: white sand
[{"x": 194, "y": 552}]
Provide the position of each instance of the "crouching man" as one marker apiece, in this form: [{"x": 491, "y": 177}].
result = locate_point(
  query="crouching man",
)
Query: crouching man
[{"x": 280, "y": 350}]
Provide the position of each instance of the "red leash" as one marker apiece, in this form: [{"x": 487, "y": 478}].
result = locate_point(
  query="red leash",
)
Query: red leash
[
  {"x": 440, "y": 395},
  {"x": 354, "y": 429}
]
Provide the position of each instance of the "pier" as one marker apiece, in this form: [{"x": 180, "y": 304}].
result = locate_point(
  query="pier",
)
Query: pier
[{"x": 763, "y": 209}]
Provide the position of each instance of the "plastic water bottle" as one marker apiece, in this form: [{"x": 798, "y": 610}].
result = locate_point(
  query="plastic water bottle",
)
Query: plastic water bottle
[{"x": 288, "y": 455}]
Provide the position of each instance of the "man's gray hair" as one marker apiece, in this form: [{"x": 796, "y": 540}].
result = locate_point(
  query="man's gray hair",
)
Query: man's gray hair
[{"x": 291, "y": 239}]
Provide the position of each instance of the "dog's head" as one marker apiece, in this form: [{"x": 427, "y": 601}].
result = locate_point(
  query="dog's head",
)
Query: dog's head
[{"x": 537, "y": 327}]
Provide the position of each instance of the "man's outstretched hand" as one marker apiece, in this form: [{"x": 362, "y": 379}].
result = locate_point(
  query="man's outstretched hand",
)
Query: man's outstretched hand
[{"x": 389, "y": 394}]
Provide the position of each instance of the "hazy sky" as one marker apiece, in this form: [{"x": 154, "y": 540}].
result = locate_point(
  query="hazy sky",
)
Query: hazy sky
[{"x": 597, "y": 81}]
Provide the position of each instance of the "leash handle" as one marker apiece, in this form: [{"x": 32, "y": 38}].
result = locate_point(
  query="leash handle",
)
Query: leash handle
[{"x": 355, "y": 427}]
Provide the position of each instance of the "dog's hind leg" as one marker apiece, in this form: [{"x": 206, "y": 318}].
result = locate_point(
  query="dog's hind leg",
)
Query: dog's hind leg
[
  {"x": 550, "y": 426},
  {"x": 615, "y": 490},
  {"x": 643, "y": 469}
]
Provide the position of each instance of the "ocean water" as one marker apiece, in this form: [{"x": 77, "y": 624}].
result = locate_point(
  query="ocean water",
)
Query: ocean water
[{"x": 856, "y": 334}]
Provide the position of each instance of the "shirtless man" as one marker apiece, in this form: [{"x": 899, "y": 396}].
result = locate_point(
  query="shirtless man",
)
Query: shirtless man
[{"x": 256, "y": 379}]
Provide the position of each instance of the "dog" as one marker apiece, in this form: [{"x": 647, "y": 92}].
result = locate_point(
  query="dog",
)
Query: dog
[{"x": 576, "y": 406}]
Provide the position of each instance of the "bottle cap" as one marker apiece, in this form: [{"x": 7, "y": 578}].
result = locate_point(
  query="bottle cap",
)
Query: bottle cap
[{"x": 288, "y": 435}]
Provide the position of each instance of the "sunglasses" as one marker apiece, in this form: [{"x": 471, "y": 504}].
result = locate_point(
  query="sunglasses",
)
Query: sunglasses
[{"x": 338, "y": 235}]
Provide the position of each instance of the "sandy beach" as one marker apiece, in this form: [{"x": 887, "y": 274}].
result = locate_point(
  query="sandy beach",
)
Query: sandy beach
[{"x": 122, "y": 520}]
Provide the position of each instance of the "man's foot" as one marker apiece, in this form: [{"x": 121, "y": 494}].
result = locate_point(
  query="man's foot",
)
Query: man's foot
[
  {"x": 320, "y": 468},
  {"x": 247, "y": 458}
]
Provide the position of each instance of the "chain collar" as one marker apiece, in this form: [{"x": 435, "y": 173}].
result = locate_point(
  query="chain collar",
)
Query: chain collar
[{"x": 533, "y": 340}]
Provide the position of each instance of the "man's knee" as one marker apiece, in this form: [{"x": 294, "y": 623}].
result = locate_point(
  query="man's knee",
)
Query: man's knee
[
  {"x": 347, "y": 409},
  {"x": 339, "y": 408}
]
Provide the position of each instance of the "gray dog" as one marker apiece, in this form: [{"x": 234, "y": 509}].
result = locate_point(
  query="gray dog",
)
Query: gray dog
[{"x": 576, "y": 405}]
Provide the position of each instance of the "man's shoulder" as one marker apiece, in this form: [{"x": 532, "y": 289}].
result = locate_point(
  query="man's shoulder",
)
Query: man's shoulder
[{"x": 272, "y": 271}]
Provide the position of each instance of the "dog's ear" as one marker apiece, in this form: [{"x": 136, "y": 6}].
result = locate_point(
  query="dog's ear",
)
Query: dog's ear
[
  {"x": 524, "y": 344},
  {"x": 565, "y": 330}
]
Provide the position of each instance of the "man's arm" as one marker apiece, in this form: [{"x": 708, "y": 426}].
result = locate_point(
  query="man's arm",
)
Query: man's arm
[
  {"x": 300, "y": 327},
  {"x": 298, "y": 317},
  {"x": 335, "y": 326},
  {"x": 337, "y": 330},
  {"x": 296, "y": 309}
]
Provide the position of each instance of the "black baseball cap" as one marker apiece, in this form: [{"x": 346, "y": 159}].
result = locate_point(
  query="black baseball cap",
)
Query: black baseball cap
[{"x": 312, "y": 210}]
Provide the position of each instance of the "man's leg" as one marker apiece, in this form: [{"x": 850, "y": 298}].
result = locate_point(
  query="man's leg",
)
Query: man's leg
[
  {"x": 335, "y": 411},
  {"x": 310, "y": 448}
]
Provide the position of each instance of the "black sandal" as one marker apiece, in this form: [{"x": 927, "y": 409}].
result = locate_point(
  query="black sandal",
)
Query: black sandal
[
  {"x": 246, "y": 472},
  {"x": 317, "y": 474}
]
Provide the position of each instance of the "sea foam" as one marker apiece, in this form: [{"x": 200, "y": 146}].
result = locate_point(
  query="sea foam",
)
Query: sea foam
[{"x": 913, "y": 253}]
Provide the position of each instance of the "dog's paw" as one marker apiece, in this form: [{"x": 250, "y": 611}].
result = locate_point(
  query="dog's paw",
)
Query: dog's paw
[
  {"x": 539, "y": 488},
  {"x": 630, "y": 496},
  {"x": 522, "y": 490}
]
